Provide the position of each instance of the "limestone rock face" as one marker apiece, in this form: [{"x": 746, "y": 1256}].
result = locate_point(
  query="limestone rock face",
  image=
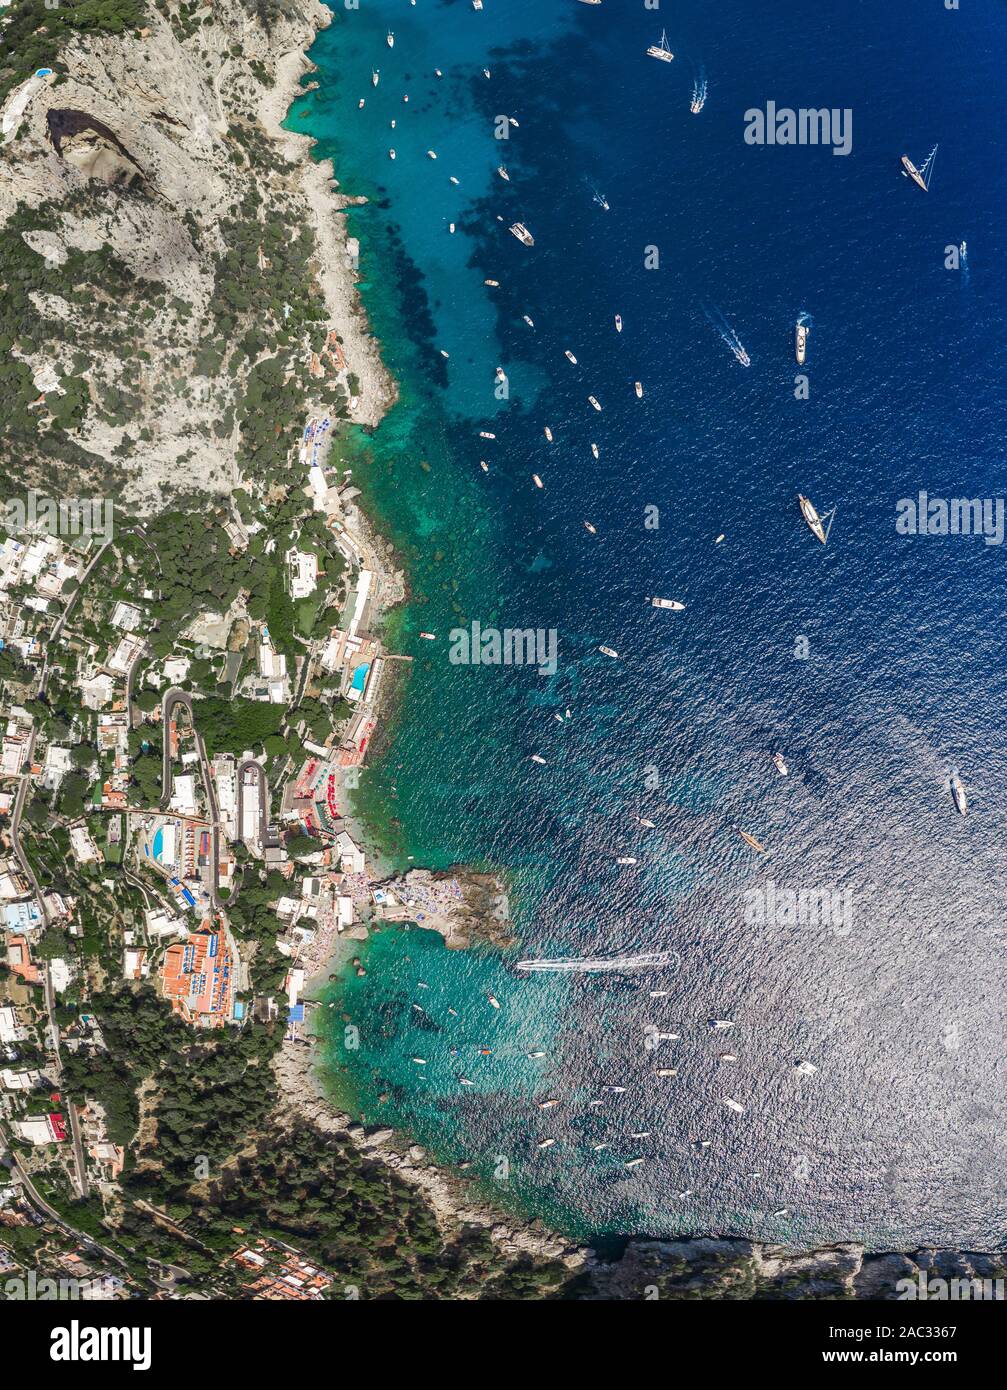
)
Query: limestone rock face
[{"x": 142, "y": 149}]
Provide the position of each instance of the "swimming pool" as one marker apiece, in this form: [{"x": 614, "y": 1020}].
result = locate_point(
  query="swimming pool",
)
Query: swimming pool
[
  {"x": 157, "y": 844},
  {"x": 359, "y": 679}
]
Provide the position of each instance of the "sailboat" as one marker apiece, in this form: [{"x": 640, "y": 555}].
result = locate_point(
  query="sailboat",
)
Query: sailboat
[
  {"x": 816, "y": 522},
  {"x": 921, "y": 176},
  {"x": 661, "y": 50}
]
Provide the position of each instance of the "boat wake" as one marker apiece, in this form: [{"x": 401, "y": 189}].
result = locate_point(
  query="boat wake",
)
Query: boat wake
[
  {"x": 699, "y": 87},
  {"x": 649, "y": 960},
  {"x": 723, "y": 329}
]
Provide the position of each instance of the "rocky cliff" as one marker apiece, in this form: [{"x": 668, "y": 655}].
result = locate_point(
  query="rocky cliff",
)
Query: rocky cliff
[{"x": 177, "y": 258}]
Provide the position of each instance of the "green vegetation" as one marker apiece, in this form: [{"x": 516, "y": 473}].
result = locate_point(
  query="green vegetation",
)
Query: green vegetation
[
  {"x": 231, "y": 726},
  {"x": 34, "y": 36}
]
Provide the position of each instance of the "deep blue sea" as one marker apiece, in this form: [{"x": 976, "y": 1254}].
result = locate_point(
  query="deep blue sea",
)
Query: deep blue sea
[{"x": 875, "y": 664}]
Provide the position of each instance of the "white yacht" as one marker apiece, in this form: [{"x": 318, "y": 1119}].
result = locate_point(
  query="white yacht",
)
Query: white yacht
[{"x": 661, "y": 50}]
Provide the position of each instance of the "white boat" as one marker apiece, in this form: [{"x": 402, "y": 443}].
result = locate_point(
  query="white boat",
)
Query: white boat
[
  {"x": 666, "y": 1071},
  {"x": 594, "y": 402},
  {"x": 958, "y": 794},
  {"x": 647, "y": 825},
  {"x": 734, "y": 1105},
  {"x": 638, "y": 388},
  {"x": 477, "y": 4},
  {"x": 503, "y": 173},
  {"x": 360, "y": 104},
  {"x": 391, "y": 154},
  {"x": 721, "y": 1025},
  {"x": 592, "y": 530},
  {"x": 484, "y": 465},
  {"x": 537, "y": 480},
  {"x": 728, "y": 1057},
  {"x": 528, "y": 321},
  {"x": 719, "y": 538},
  {"x": 806, "y": 1068},
  {"x": 625, "y": 859},
  {"x": 545, "y": 1143},
  {"x": 534, "y": 1054},
  {"x": 815, "y": 522},
  {"x": 608, "y": 651},
  {"x": 597, "y": 1148},
  {"x": 618, "y": 323},
  {"x": 921, "y": 176},
  {"x": 444, "y": 353},
  {"x": 594, "y": 450},
  {"x": 465, "y": 1081},
  {"x": 431, "y": 154},
  {"x": 801, "y": 343},
  {"x": 493, "y": 1000},
  {"x": 513, "y": 122},
  {"x": 429, "y": 636},
  {"x": 668, "y": 603},
  {"x": 390, "y": 39},
  {"x": 420, "y": 1061},
  {"x": 781, "y": 766},
  {"x": 537, "y": 759},
  {"x": 569, "y": 356},
  {"x": 633, "y": 1162},
  {"x": 548, "y": 1104},
  {"x": 375, "y": 74},
  {"x": 493, "y": 284},
  {"x": 661, "y": 50},
  {"x": 454, "y": 180},
  {"x": 485, "y": 434},
  {"x": 548, "y": 433},
  {"x": 522, "y": 233}
]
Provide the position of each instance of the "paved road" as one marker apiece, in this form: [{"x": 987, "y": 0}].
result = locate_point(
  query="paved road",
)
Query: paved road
[{"x": 174, "y": 697}]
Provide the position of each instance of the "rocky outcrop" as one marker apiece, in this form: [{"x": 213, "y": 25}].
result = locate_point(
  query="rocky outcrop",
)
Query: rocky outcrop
[{"x": 147, "y": 147}]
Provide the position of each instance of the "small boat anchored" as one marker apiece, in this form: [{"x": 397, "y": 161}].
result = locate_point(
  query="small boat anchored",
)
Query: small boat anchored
[
  {"x": 815, "y": 522},
  {"x": 661, "y": 50},
  {"x": 522, "y": 233},
  {"x": 780, "y": 765},
  {"x": 800, "y": 343},
  {"x": 958, "y": 793},
  {"x": 668, "y": 603}
]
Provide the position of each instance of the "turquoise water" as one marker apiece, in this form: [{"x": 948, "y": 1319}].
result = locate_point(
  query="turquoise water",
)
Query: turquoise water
[{"x": 875, "y": 664}]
